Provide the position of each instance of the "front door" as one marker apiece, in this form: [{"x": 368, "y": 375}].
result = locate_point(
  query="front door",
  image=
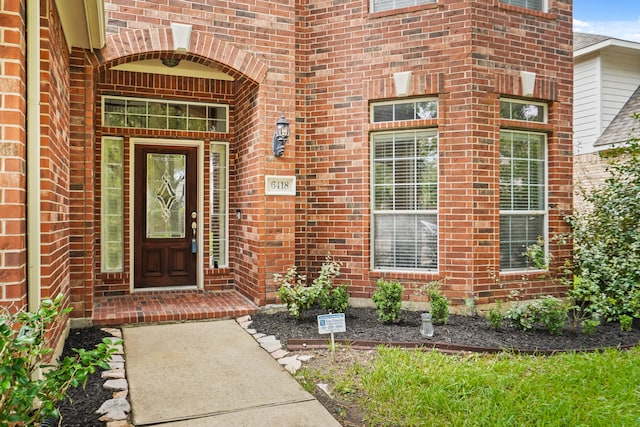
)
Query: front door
[{"x": 165, "y": 216}]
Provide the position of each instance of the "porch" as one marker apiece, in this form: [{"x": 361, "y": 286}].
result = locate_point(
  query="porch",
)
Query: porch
[{"x": 152, "y": 307}]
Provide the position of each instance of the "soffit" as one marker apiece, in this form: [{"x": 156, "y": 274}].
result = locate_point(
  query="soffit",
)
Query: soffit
[
  {"x": 83, "y": 23},
  {"x": 184, "y": 68}
]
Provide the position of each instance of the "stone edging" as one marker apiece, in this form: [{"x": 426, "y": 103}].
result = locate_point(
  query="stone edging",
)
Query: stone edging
[
  {"x": 291, "y": 362},
  {"x": 115, "y": 412}
]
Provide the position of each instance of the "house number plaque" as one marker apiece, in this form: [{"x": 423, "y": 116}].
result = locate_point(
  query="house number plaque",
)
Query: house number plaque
[{"x": 280, "y": 185}]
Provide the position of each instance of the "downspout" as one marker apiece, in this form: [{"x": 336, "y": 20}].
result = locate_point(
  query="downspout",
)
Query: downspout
[{"x": 33, "y": 155}]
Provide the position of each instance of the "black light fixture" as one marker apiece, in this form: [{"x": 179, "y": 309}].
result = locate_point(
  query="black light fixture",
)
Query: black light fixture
[
  {"x": 280, "y": 136},
  {"x": 170, "y": 62}
]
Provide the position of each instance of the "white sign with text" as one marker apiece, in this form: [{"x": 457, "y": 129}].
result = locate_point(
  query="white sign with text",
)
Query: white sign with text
[{"x": 280, "y": 185}]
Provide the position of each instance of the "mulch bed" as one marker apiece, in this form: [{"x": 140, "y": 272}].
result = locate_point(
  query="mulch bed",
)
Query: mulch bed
[
  {"x": 470, "y": 331},
  {"x": 362, "y": 326},
  {"x": 80, "y": 409}
]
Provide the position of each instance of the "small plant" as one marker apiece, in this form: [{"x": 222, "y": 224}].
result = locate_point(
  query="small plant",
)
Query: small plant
[
  {"x": 589, "y": 326},
  {"x": 495, "y": 316},
  {"x": 299, "y": 298},
  {"x": 550, "y": 313},
  {"x": 626, "y": 323},
  {"x": 27, "y": 398},
  {"x": 294, "y": 294},
  {"x": 388, "y": 300},
  {"x": 439, "y": 305},
  {"x": 335, "y": 300}
]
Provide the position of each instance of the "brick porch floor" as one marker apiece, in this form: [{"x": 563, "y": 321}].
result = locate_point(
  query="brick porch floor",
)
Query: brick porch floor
[{"x": 169, "y": 307}]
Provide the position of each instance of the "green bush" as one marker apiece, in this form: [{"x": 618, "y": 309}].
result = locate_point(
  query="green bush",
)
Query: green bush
[
  {"x": 549, "y": 313},
  {"x": 439, "y": 306},
  {"x": 294, "y": 294},
  {"x": 26, "y": 398},
  {"x": 495, "y": 316},
  {"x": 607, "y": 240},
  {"x": 388, "y": 300},
  {"x": 335, "y": 300},
  {"x": 626, "y": 323},
  {"x": 299, "y": 298},
  {"x": 589, "y": 326}
]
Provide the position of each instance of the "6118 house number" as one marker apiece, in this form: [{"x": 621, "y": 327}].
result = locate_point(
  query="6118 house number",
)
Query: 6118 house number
[{"x": 280, "y": 185}]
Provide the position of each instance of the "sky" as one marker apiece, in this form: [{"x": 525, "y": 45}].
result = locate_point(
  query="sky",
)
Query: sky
[{"x": 613, "y": 18}]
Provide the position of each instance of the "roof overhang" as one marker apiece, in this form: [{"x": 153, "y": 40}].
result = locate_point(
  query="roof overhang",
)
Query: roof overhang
[
  {"x": 608, "y": 43},
  {"x": 83, "y": 23}
]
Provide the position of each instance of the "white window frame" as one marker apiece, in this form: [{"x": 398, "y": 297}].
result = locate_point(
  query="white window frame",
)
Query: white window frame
[
  {"x": 398, "y": 4},
  {"x": 168, "y": 102},
  {"x": 544, "y": 212},
  {"x": 544, "y": 5},
  {"x": 395, "y": 103},
  {"x": 545, "y": 109},
  {"x": 393, "y": 212}
]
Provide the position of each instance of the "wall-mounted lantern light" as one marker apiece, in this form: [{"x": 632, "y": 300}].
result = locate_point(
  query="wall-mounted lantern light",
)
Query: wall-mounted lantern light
[{"x": 280, "y": 136}]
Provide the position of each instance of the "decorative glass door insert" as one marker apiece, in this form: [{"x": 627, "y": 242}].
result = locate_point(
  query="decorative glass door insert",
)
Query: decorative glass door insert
[{"x": 165, "y": 195}]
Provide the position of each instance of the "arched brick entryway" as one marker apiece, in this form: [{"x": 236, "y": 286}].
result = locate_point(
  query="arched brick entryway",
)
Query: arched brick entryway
[{"x": 252, "y": 127}]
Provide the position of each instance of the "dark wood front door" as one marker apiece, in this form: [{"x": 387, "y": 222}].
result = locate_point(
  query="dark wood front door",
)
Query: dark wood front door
[{"x": 165, "y": 216}]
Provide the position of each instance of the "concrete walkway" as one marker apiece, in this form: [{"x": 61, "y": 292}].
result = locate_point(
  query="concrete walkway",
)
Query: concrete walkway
[{"x": 212, "y": 374}]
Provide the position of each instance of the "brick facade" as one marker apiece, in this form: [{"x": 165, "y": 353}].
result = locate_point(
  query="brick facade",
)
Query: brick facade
[
  {"x": 321, "y": 63},
  {"x": 13, "y": 138}
]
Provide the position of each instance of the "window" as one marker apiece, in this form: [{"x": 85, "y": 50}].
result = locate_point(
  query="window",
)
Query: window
[
  {"x": 112, "y": 205},
  {"x": 402, "y": 111},
  {"x": 525, "y": 111},
  {"x": 522, "y": 195},
  {"x": 160, "y": 114},
  {"x": 218, "y": 186},
  {"x": 529, "y": 4},
  {"x": 382, "y": 5},
  {"x": 405, "y": 199}
]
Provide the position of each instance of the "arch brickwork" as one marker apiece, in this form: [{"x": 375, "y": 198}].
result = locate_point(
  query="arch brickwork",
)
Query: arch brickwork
[{"x": 203, "y": 48}]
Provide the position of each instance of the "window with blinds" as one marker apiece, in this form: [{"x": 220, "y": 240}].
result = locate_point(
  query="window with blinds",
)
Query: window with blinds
[
  {"x": 405, "y": 199},
  {"x": 382, "y": 5},
  {"x": 219, "y": 201},
  {"x": 529, "y": 4},
  {"x": 522, "y": 195}
]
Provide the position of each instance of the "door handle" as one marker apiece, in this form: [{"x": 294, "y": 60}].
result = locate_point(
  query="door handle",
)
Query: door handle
[{"x": 194, "y": 229}]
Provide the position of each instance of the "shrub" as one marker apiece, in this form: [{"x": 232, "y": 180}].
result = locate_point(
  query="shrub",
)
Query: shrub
[
  {"x": 589, "y": 326},
  {"x": 626, "y": 323},
  {"x": 335, "y": 300},
  {"x": 25, "y": 398},
  {"x": 549, "y": 313},
  {"x": 607, "y": 239},
  {"x": 299, "y": 298},
  {"x": 388, "y": 300},
  {"x": 439, "y": 306},
  {"x": 495, "y": 316},
  {"x": 294, "y": 294}
]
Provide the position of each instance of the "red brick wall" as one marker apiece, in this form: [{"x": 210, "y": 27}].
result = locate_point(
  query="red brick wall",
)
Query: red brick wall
[
  {"x": 322, "y": 63},
  {"x": 467, "y": 54},
  {"x": 82, "y": 246},
  {"x": 13, "y": 255},
  {"x": 54, "y": 160}
]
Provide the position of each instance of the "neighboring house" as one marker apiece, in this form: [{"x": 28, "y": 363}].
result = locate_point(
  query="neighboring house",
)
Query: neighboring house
[
  {"x": 606, "y": 94},
  {"x": 429, "y": 140}
]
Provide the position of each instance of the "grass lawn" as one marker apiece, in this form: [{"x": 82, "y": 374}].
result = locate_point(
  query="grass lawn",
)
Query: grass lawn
[{"x": 413, "y": 388}]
